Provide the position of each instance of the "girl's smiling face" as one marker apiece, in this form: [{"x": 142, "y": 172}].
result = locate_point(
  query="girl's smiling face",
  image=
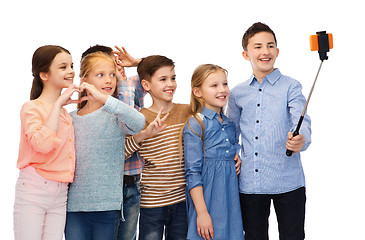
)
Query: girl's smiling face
[
  {"x": 214, "y": 91},
  {"x": 61, "y": 72},
  {"x": 103, "y": 77}
]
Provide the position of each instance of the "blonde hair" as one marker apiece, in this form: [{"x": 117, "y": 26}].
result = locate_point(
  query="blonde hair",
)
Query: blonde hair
[
  {"x": 87, "y": 64},
  {"x": 200, "y": 74}
]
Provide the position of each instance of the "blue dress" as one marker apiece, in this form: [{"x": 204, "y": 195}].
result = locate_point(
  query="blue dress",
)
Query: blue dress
[{"x": 211, "y": 165}]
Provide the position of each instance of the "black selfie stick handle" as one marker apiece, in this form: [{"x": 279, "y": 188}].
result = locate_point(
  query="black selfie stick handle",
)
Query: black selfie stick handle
[{"x": 295, "y": 133}]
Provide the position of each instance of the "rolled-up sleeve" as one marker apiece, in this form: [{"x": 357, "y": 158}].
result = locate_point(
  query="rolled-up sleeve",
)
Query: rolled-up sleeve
[
  {"x": 193, "y": 153},
  {"x": 41, "y": 138}
]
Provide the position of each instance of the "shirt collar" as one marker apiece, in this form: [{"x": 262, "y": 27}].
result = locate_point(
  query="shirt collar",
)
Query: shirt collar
[
  {"x": 271, "y": 78},
  {"x": 210, "y": 114}
]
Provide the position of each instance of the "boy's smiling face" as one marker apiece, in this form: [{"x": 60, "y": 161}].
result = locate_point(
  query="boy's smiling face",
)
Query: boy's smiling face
[
  {"x": 162, "y": 85},
  {"x": 262, "y": 53}
]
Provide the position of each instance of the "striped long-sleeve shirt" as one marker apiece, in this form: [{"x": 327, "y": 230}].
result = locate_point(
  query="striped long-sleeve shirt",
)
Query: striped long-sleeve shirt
[{"x": 163, "y": 181}]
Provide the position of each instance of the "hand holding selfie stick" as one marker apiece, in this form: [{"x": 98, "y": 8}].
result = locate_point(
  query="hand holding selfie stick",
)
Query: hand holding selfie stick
[{"x": 322, "y": 42}]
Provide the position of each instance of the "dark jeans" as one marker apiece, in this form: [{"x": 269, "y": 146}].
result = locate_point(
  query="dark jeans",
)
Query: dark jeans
[
  {"x": 290, "y": 213},
  {"x": 171, "y": 219},
  {"x": 92, "y": 225},
  {"x": 131, "y": 195}
]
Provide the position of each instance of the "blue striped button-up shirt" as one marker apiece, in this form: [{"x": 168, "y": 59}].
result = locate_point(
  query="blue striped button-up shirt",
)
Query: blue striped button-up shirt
[{"x": 263, "y": 115}]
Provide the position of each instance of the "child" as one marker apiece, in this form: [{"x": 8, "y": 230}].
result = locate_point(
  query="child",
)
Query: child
[
  {"x": 128, "y": 90},
  {"x": 95, "y": 197},
  {"x": 46, "y": 151},
  {"x": 265, "y": 110},
  {"x": 210, "y": 154},
  {"x": 162, "y": 202}
]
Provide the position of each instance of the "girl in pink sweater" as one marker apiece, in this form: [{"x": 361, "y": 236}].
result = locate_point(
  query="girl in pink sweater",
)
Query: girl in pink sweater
[{"x": 46, "y": 151}]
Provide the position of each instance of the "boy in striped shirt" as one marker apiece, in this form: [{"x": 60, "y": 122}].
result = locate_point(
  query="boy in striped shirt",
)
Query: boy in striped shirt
[{"x": 162, "y": 203}]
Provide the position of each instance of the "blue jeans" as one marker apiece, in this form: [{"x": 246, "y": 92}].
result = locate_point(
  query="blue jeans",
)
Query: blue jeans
[
  {"x": 92, "y": 225},
  {"x": 171, "y": 219},
  {"x": 131, "y": 195}
]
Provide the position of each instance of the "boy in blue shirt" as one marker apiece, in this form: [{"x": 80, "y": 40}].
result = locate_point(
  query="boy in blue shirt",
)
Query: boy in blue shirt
[{"x": 265, "y": 110}]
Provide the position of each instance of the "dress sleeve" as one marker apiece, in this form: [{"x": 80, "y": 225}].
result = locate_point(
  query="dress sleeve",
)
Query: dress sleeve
[
  {"x": 40, "y": 138},
  {"x": 130, "y": 120},
  {"x": 193, "y": 153}
]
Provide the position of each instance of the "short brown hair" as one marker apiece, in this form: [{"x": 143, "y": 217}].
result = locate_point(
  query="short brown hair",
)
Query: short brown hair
[
  {"x": 149, "y": 65},
  {"x": 254, "y": 29}
]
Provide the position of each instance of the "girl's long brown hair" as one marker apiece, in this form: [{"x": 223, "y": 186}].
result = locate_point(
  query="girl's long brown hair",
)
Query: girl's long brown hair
[
  {"x": 41, "y": 62},
  {"x": 197, "y": 103}
]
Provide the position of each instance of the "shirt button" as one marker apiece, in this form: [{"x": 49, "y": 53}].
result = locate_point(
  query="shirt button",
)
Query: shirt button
[
  {"x": 227, "y": 151},
  {"x": 222, "y": 129},
  {"x": 260, "y": 90},
  {"x": 256, "y": 137},
  {"x": 70, "y": 157},
  {"x": 258, "y": 104},
  {"x": 256, "y": 153},
  {"x": 256, "y": 170},
  {"x": 226, "y": 139},
  {"x": 257, "y": 121}
]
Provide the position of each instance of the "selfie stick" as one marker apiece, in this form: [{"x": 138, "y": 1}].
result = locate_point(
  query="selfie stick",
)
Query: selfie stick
[{"x": 322, "y": 42}]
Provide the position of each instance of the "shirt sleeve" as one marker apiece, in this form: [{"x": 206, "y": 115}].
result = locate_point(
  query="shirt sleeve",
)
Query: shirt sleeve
[
  {"x": 193, "y": 153},
  {"x": 41, "y": 138},
  {"x": 234, "y": 113},
  {"x": 126, "y": 92},
  {"x": 296, "y": 102},
  {"x": 131, "y": 121},
  {"x": 130, "y": 146}
]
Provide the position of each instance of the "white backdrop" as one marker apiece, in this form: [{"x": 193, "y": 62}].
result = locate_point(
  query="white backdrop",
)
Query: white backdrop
[{"x": 196, "y": 32}]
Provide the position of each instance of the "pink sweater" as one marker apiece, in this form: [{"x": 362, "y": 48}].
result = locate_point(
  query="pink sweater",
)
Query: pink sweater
[{"x": 52, "y": 154}]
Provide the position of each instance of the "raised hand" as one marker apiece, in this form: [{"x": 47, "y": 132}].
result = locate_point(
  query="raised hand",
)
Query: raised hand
[
  {"x": 93, "y": 93},
  {"x": 65, "y": 98},
  {"x": 153, "y": 128},
  {"x": 124, "y": 59}
]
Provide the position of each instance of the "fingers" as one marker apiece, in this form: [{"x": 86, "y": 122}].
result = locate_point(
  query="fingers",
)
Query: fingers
[
  {"x": 158, "y": 118},
  {"x": 165, "y": 117},
  {"x": 207, "y": 233},
  {"x": 121, "y": 50},
  {"x": 238, "y": 163},
  {"x": 296, "y": 143}
]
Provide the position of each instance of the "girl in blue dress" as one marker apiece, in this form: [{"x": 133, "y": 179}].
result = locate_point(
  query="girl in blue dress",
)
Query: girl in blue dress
[{"x": 211, "y": 160}]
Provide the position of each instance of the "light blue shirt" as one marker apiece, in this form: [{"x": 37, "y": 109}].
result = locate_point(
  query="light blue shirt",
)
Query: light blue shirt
[
  {"x": 263, "y": 115},
  {"x": 99, "y": 145}
]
